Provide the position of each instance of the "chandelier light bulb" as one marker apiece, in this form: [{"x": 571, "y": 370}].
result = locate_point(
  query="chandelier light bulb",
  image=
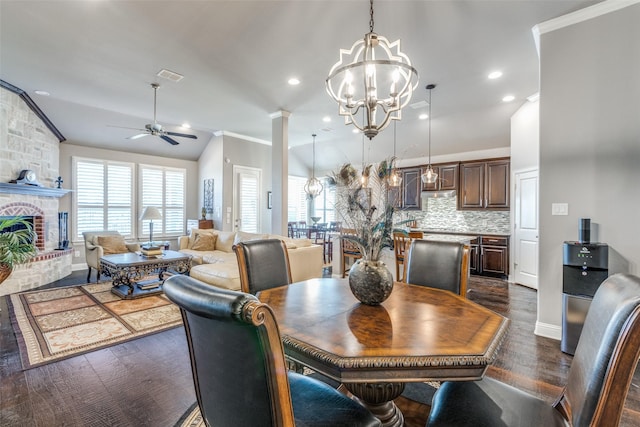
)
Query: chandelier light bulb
[{"x": 313, "y": 187}]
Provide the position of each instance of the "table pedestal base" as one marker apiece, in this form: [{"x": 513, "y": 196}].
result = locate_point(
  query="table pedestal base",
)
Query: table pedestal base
[{"x": 378, "y": 398}]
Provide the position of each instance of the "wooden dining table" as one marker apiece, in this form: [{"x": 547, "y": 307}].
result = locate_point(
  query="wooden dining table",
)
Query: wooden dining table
[{"x": 418, "y": 334}]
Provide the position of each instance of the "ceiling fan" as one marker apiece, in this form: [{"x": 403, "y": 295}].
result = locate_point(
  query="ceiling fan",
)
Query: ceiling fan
[{"x": 155, "y": 128}]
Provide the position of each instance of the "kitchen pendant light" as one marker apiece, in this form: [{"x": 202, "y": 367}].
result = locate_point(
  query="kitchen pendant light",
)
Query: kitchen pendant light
[
  {"x": 364, "y": 176},
  {"x": 313, "y": 187},
  {"x": 395, "y": 177},
  {"x": 429, "y": 176},
  {"x": 358, "y": 81}
]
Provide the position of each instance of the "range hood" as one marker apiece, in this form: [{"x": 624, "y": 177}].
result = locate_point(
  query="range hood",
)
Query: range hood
[{"x": 438, "y": 194}]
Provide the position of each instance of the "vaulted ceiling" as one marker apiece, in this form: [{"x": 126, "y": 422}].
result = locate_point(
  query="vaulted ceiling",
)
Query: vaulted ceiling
[{"x": 98, "y": 58}]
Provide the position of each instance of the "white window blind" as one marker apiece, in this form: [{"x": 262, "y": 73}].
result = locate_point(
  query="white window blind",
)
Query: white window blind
[
  {"x": 103, "y": 196},
  {"x": 297, "y": 199},
  {"x": 249, "y": 198},
  {"x": 163, "y": 188}
]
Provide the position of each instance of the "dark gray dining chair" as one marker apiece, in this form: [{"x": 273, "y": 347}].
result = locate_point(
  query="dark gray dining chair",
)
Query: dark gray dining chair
[
  {"x": 601, "y": 372},
  {"x": 263, "y": 264},
  {"x": 438, "y": 264},
  {"x": 238, "y": 367}
]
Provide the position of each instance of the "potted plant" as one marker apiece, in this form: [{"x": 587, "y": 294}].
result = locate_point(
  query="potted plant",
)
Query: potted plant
[
  {"x": 16, "y": 246},
  {"x": 362, "y": 200}
]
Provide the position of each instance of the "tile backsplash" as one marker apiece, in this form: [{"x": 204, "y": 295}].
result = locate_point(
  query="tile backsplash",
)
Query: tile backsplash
[{"x": 442, "y": 214}]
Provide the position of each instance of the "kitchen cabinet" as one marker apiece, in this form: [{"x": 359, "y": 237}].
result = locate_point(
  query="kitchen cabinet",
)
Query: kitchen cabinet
[
  {"x": 474, "y": 266},
  {"x": 494, "y": 256},
  {"x": 447, "y": 178},
  {"x": 484, "y": 185},
  {"x": 411, "y": 189}
]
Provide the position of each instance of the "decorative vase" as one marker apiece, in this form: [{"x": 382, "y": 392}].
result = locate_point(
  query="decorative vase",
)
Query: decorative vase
[{"x": 371, "y": 282}]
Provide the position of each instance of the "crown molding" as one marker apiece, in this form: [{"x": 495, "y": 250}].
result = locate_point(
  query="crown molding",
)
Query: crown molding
[{"x": 578, "y": 16}]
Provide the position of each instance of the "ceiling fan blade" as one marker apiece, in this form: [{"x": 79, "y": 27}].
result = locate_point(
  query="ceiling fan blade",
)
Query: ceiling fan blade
[
  {"x": 169, "y": 140},
  {"x": 140, "y": 135},
  {"x": 183, "y": 135}
]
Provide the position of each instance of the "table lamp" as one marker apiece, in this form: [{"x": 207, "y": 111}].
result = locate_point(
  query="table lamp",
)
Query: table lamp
[{"x": 149, "y": 214}]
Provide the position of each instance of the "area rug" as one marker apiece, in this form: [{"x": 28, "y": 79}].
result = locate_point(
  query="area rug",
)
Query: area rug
[{"x": 55, "y": 324}]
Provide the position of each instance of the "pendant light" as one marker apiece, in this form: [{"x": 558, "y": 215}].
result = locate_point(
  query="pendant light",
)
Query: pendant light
[
  {"x": 395, "y": 177},
  {"x": 364, "y": 176},
  {"x": 313, "y": 187},
  {"x": 429, "y": 176},
  {"x": 375, "y": 76}
]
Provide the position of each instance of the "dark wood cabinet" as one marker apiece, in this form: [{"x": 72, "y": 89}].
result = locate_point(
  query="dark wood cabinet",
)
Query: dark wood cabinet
[
  {"x": 447, "y": 177},
  {"x": 411, "y": 189},
  {"x": 494, "y": 256},
  {"x": 474, "y": 266},
  {"x": 205, "y": 223},
  {"x": 484, "y": 185}
]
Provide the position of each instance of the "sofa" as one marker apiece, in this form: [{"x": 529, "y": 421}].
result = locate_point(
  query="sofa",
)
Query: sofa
[{"x": 214, "y": 261}]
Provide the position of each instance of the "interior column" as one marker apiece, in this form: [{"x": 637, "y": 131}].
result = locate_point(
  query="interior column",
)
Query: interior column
[{"x": 279, "y": 171}]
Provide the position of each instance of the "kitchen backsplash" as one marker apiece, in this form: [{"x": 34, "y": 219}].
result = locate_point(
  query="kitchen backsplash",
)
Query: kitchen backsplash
[{"x": 442, "y": 214}]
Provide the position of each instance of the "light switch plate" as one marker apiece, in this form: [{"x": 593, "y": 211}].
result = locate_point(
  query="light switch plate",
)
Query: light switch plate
[{"x": 559, "y": 209}]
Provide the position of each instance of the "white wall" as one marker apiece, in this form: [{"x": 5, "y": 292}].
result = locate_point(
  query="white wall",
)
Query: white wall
[{"x": 589, "y": 145}]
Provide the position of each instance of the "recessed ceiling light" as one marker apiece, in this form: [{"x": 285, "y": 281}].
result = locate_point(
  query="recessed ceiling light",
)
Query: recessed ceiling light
[
  {"x": 186, "y": 125},
  {"x": 293, "y": 81},
  {"x": 495, "y": 75},
  {"x": 423, "y": 116},
  {"x": 356, "y": 130},
  {"x": 41, "y": 92},
  {"x": 508, "y": 98},
  {"x": 326, "y": 119}
]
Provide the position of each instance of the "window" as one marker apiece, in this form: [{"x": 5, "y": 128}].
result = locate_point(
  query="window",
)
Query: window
[
  {"x": 324, "y": 204},
  {"x": 297, "y": 200},
  {"x": 103, "y": 196},
  {"x": 163, "y": 188}
]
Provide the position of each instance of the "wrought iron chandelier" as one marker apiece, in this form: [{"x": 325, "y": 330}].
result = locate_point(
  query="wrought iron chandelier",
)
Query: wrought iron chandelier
[
  {"x": 395, "y": 177},
  {"x": 313, "y": 186},
  {"x": 429, "y": 176},
  {"x": 369, "y": 67}
]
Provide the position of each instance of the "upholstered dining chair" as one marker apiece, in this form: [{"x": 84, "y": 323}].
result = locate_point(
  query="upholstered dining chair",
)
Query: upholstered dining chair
[
  {"x": 263, "y": 264},
  {"x": 598, "y": 381},
  {"x": 349, "y": 251},
  {"x": 438, "y": 264},
  {"x": 400, "y": 242},
  {"x": 237, "y": 362}
]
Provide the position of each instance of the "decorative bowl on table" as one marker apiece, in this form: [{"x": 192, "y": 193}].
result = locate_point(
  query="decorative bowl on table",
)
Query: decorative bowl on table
[{"x": 315, "y": 219}]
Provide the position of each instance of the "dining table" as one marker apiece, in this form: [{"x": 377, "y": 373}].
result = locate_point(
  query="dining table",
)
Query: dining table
[{"x": 418, "y": 334}]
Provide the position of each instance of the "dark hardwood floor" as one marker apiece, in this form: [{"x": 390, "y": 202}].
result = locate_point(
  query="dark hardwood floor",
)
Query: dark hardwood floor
[{"x": 147, "y": 381}]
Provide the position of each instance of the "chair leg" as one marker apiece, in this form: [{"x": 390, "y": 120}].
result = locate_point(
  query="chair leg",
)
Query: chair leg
[{"x": 89, "y": 275}]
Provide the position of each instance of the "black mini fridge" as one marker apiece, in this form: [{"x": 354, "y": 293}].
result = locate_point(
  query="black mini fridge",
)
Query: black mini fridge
[{"x": 585, "y": 267}]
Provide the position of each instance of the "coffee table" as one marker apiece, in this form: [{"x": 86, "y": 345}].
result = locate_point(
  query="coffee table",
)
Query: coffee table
[{"x": 126, "y": 271}]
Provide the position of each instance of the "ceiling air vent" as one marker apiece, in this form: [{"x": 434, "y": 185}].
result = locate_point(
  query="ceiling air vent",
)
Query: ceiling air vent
[{"x": 170, "y": 75}]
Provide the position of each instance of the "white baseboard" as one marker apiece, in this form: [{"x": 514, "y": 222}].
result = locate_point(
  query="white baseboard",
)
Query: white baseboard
[{"x": 548, "y": 330}]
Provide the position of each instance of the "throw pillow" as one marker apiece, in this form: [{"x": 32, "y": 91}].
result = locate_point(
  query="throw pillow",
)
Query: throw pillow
[
  {"x": 112, "y": 244},
  {"x": 197, "y": 231},
  {"x": 204, "y": 242},
  {"x": 225, "y": 241}
]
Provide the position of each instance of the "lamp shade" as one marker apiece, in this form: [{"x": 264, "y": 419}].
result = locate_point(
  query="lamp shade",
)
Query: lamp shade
[{"x": 150, "y": 213}]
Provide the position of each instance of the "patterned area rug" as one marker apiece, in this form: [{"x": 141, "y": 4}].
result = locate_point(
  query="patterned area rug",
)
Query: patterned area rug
[{"x": 55, "y": 324}]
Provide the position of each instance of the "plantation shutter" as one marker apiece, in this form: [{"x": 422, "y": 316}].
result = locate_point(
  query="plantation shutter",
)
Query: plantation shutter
[
  {"x": 102, "y": 196},
  {"x": 296, "y": 200},
  {"x": 164, "y": 188},
  {"x": 249, "y": 203}
]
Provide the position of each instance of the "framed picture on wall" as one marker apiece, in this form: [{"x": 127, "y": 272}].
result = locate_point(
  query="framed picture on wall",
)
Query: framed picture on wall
[
  {"x": 269, "y": 205},
  {"x": 207, "y": 202}
]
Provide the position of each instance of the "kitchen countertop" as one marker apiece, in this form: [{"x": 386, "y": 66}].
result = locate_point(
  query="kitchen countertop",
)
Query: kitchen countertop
[
  {"x": 468, "y": 233},
  {"x": 449, "y": 237}
]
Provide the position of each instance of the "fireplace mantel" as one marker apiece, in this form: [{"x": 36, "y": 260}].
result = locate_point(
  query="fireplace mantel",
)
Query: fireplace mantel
[{"x": 32, "y": 189}]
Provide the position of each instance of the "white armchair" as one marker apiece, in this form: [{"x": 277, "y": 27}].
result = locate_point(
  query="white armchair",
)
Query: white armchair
[{"x": 100, "y": 243}]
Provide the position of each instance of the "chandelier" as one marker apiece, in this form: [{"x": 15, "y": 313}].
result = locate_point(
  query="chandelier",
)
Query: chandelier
[
  {"x": 313, "y": 186},
  {"x": 395, "y": 177},
  {"x": 429, "y": 176},
  {"x": 358, "y": 81}
]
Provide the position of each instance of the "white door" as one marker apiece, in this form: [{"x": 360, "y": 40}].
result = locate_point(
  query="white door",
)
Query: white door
[
  {"x": 526, "y": 229},
  {"x": 246, "y": 199}
]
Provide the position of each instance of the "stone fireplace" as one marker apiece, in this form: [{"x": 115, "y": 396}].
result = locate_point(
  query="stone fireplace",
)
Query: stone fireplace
[{"x": 26, "y": 142}]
